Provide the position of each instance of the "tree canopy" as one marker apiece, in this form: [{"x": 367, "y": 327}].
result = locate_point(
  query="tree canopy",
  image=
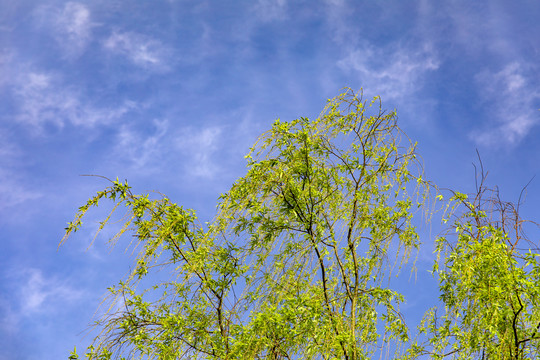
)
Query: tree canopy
[{"x": 297, "y": 261}]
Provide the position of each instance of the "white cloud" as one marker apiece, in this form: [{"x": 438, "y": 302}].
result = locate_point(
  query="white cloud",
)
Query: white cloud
[
  {"x": 43, "y": 98},
  {"x": 147, "y": 151},
  {"x": 512, "y": 99},
  {"x": 389, "y": 73},
  {"x": 268, "y": 10},
  {"x": 140, "y": 49},
  {"x": 71, "y": 26},
  {"x": 192, "y": 152},
  {"x": 12, "y": 189},
  {"x": 74, "y": 26},
  {"x": 40, "y": 99},
  {"x": 142, "y": 150},
  {"x": 478, "y": 27},
  {"x": 509, "y": 93},
  {"x": 9, "y": 320},
  {"x": 198, "y": 148},
  {"x": 335, "y": 2},
  {"x": 12, "y": 192},
  {"x": 39, "y": 292},
  {"x": 8, "y": 150},
  {"x": 338, "y": 19},
  {"x": 5, "y": 67},
  {"x": 34, "y": 293}
]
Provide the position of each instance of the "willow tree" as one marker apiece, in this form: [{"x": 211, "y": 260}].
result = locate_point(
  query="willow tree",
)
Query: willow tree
[
  {"x": 489, "y": 276},
  {"x": 297, "y": 260}
]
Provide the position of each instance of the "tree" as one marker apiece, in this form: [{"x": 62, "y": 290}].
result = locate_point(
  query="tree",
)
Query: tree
[
  {"x": 489, "y": 282},
  {"x": 297, "y": 260}
]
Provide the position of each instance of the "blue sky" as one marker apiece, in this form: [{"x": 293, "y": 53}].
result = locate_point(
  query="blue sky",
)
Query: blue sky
[{"x": 171, "y": 94}]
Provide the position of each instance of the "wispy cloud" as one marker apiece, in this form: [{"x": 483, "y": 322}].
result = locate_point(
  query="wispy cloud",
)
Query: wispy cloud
[
  {"x": 493, "y": 34},
  {"x": 141, "y": 50},
  {"x": 268, "y": 10},
  {"x": 141, "y": 149},
  {"x": 337, "y": 17},
  {"x": 38, "y": 292},
  {"x": 513, "y": 100},
  {"x": 335, "y": 2},
  {"x": 71, "y": 26},
  {"x": 12, "y": 189},
  {"x": 390, "y": 73},
  {"x": 74, "y": 26},
  {"x": 43, "y": 98},
  {"x": 33, "y": 293},
  {"x": 508, "y": 90},
  {"x": 13, "y": 192},
  {"x": 198, "y": 148},
  {"x": 6, "y": 59},
  {"x": 193, "y": 152},
  {"x": 9, "y": 319}
]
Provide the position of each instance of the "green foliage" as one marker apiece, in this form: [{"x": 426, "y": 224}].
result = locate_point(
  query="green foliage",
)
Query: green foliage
[
  {"x": 489, "y": 282},
  {"x": 296, "y": 262},
  {"x": 73, "y": 355}
]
